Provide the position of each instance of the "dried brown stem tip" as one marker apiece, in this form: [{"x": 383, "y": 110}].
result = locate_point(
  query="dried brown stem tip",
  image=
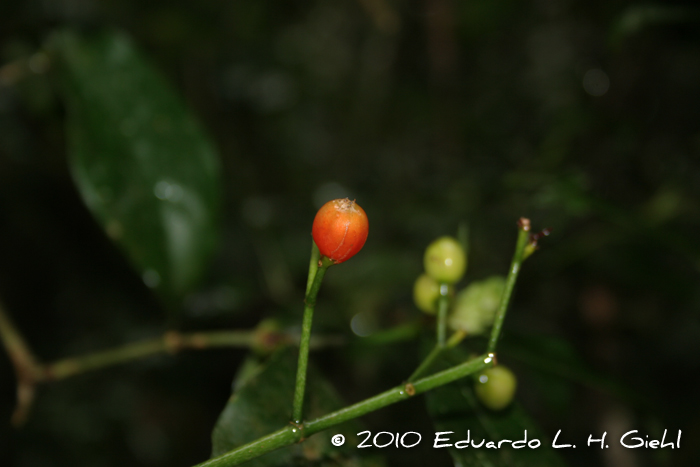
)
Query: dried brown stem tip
[{"x": 524, "y": 224}]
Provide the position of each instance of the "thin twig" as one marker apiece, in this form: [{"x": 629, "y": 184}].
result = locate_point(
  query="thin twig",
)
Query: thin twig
[
  {"x": 518, "y": 258},
  {"x": 425, "y": 365},
  {"x": 30, "y": 372},
  {"x": 27, "y": 369},
  {"x": 171, "y": 343}
]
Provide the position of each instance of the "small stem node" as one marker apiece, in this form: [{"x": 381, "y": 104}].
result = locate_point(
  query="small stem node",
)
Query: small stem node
[{"x": 410, "y": 389}]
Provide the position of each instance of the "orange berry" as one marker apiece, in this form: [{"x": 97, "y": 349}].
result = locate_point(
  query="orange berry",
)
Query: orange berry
[{"x": 340, "y": 229}]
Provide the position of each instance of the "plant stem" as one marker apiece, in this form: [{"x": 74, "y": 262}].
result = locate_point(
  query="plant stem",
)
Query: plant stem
[
  {"x": 455, "y": 339},
  {"x": 425, "y": 364},
  {"x": 401, "y": 333},
  {"x": 27, "y": 368},
  {"x": 30, "y": 372},
  {"x": 18, "y": 350},
  {"x": 313, "y": 266},
  {"x": 169, "y": 343},
  {"x": 443, "y": 305},
  {"x": 441, "y": 331},
  {"x": 293, "y": 434},
  {"x": 518, "y": 258},
  {"x": 310, "y": 303}
]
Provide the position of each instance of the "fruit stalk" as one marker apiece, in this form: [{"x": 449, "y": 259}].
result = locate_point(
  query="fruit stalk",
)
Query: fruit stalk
[
  {"x": 518, "y": 258},
  {"x": 443, "y": 305},
  {"x": 309, "y": 305},
  {"x": 339, "y": 231}
]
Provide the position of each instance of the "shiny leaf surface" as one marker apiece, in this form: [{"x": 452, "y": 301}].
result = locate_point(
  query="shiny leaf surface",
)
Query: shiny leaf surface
[
  {"x": 142, "y": 163},
  {"x": 261, "y": 403}
]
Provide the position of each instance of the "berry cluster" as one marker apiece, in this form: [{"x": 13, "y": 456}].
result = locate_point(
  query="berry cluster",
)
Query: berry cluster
[{"x": 471, "y": 312}]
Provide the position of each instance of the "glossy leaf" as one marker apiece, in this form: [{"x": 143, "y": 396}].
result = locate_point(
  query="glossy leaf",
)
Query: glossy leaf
[
  {"x": 262, "y": 402},
  {"x": 142, "y": 163},
  {"x": 557, "y": 357},
  {"x": 454, "y": 408}
]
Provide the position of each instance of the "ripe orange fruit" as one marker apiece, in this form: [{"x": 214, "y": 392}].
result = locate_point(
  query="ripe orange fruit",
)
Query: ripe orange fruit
[{"x": 340, "y": 229}]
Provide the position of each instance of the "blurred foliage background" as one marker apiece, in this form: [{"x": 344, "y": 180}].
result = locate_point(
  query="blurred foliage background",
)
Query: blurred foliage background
[{"x": 580, "y": 116}]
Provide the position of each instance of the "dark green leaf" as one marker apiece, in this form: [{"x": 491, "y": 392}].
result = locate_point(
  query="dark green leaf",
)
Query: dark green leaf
[
  {"x": 557, "y": 357},
  {"x": 262, "y": 404},
  {"x": 454, "y": 408},
  {"x": 142, "y": 164}
]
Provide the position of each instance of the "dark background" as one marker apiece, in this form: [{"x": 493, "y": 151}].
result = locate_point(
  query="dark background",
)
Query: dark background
[{"x": 582, "y": 116}]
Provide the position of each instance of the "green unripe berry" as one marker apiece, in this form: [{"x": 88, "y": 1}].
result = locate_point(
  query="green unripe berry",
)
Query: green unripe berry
[
  {"x": 495, "y": 387},
  {"x": 445, "y": 260},
  {"x": 466, "y": 314},
  {"x": 426, "y": 292},
  {"x": 475, "y": 307}
]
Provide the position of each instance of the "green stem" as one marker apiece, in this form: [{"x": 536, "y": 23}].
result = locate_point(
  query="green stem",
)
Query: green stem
[
  {"x": 455, "y": 339},
  {"x": 310, "y": 302},
  {"x": 292, "y": 434},
  {"x": 441, "y": 331},
  {"x": 169, "y": 343},
  {"x": 425, "y": 364},
  {"x": 401, "y": 333},
  {"x": 30, "y": 372},
  {"x": 518, "y": 258},
  {"x": 313, "y": 266},
  {"x": 443, "y": 305}
]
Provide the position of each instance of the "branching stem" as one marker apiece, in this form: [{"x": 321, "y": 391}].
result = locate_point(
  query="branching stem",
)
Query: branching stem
[
  {"x": 292, "y": 434},
  {"x": 31, "y": 372},
  {"x": 295, "y": 433}
]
